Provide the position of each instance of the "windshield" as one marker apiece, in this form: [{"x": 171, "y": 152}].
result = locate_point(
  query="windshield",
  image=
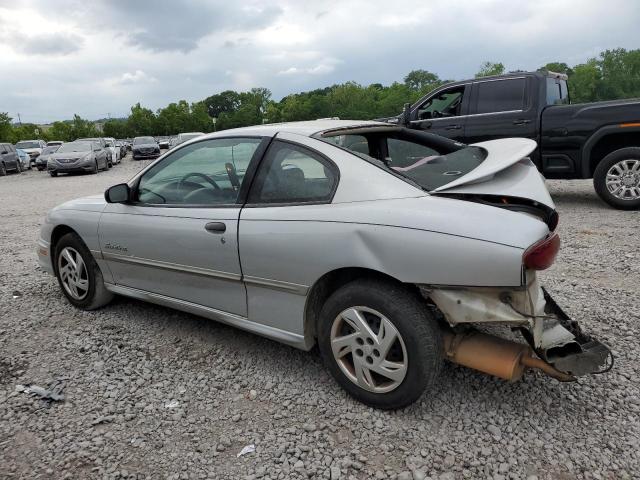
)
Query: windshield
[
  {"x": 50, "y": 149},
  {"x": 75, "y": 147},
  {"x": 143, "y": 140},
  {"x": 27, "y": 144}
]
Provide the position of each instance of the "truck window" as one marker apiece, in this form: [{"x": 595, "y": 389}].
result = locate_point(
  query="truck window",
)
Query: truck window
[
  {"x": 557, "y": 91},
  {"x": 443, "y": 104},
  {"x": 500, "y": 95}
]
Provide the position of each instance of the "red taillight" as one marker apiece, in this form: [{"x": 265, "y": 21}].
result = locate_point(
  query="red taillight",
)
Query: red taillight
[{"x": 541, "y": 255}]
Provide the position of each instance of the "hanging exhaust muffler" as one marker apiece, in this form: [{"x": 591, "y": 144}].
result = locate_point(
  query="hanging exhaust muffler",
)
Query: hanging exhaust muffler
[{"x": 496, "y": 356}]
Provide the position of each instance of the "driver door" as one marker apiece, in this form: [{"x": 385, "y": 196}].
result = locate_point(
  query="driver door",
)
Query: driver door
[
  {"x": 179, "y": 237},
  {"x": 444, "y": 113}
]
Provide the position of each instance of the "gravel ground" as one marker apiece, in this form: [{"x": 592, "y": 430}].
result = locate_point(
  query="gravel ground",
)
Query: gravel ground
[{"x": 155, "y": 393}]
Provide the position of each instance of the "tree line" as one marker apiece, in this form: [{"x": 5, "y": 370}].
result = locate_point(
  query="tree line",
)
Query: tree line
[{"x": 614, "y": 74}]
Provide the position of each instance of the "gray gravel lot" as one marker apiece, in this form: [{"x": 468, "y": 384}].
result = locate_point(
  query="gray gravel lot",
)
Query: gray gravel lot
[{"x": 155, "y": 393}]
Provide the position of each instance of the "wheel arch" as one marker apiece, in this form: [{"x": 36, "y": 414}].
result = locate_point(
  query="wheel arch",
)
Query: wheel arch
[
  {"x": 330, "y": 282},
  {"x": 604, "y": 141},
  {"x": 57, "y": 233}
]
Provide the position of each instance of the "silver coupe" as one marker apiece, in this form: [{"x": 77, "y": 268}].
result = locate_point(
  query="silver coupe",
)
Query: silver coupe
[{"x": 392, "y": 250}]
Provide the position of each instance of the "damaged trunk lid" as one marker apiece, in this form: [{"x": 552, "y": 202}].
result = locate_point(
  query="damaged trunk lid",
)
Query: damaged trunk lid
[{"x": 497, "y": 173}]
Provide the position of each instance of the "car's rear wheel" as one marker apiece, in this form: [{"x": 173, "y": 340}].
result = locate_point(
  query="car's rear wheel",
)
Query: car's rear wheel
[
  {"x": 3, "y": 170},
  {"x": 617, "y": 178},
  {"x": 78, "y": 274},
  {"x": 380, "y": 343}
]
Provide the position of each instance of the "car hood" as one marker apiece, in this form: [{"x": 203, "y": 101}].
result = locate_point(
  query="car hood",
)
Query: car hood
[
  {"x": 506, "y": 171},
  {"x": 31, "y": 150},
  {"x": 75, "y": 155},
  {"x": 93, "y": 203}
]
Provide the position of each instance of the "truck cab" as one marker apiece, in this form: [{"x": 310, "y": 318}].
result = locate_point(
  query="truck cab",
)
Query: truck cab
[{"x": 594, "y": 140}]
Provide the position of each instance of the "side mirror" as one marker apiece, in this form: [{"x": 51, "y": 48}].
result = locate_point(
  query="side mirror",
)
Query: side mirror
[
  {"x": 120, "y": 193},
  {"x": 405, "y": 118}
]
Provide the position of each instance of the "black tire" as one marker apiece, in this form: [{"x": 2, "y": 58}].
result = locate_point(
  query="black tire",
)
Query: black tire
[
  {"x": 413, "y": 321},
  {"x": 3, "y": 170},
  {"x": 19, "y": 166},
  {"x": 600, "y": 175},
  {"x": 40, "y": 168},
  {"x": 97, "y": 295},
  {"x": 53, "y": 174}
]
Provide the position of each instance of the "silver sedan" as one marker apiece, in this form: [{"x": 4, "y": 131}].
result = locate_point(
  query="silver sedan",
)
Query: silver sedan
[{"x": 390, "y": 249}]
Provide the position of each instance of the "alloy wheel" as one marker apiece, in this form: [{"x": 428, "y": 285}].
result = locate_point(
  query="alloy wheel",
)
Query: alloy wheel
[
  {"x": 73, "y": 273},
  {"x": 369, "y": 349},
  {"x": 623, "y": 179}
]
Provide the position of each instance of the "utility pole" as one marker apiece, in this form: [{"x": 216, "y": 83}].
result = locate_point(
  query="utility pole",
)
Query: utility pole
[{"x": 19, "y": 121}]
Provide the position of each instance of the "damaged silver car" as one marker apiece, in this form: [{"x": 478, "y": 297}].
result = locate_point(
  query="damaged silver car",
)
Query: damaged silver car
[{"x": 389, "y": 248}]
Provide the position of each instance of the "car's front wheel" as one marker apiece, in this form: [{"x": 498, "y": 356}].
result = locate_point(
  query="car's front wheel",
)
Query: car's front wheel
[
  {"x": 380, "y": 342},
  {"x": 617, "y": 178},
  {"x": 53, "y": 174},
  {"x": 79, "y": 275}
]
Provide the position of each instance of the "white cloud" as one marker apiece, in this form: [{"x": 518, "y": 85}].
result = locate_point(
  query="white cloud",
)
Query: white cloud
[
  {"x": 103, "y": 56},
  {"x": 136, "y": 77}
]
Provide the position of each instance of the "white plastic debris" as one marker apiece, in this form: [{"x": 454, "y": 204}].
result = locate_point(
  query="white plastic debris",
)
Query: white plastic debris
[
  {"x": 248, "y": 449},
  {"x": 171, "y": 404}
]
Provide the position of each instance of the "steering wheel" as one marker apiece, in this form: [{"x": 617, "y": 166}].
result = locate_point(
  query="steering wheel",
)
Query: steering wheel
[
  {"x": 198, "y": 174},
  {"x": 233, "y": 176}
]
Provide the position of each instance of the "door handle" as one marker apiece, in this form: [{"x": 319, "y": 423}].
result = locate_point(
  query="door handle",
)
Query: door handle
[
  {"x": 215, "y": 227},
  {"x": 521, "y": 121},
  {"x": 452, "y": 127}
]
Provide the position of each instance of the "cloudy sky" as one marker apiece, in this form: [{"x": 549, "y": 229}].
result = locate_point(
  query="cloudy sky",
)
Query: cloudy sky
[{"x": 98, "y": 57}]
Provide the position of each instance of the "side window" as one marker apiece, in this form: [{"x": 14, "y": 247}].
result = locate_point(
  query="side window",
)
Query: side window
[
  {"x": 405, "y": 154},
  {"x": 293, "y": 174},
  {"x": 500, "y": 95},
  {"x": 445, "y": 104},
  {"x": 210, "y": 172}
]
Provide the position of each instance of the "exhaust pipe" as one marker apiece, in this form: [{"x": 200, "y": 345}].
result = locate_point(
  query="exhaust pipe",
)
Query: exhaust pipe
[{"x": 496, "y": 356}]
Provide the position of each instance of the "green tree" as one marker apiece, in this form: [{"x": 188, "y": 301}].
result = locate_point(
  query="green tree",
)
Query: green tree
[
  {"x": 60, "y": 131},
  {"x": 489, "y": 68},
  {"x": 141, "y": 121},
  {"x": 585, "y": 82},
  {"x": 556, "y": 67},
  {"x": 421, "y": 80},
  {"x": 6, "y": 128}
]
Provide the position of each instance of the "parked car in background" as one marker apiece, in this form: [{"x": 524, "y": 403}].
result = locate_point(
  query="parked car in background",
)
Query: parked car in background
[
  {"x": 9, "y": 160},
  {"x": 25, "y": 159},
  {"x": 593, "y": 140},
  {"x": 77, "y": 157},
  {"x": 164, "y": 143},
  {"x": 123, "y": 148},
  {"x": 145, "y": 147},
  {"x": 54, "y": 142},
  {"x": 183, "y": 137},
  {"x": 381, "y": 244},
  {"x": 43, "y": 158},
  {"x": 32, "y": 147},
  {"x": 103, "y": 145},
  {"x": 110, "y": 143}
]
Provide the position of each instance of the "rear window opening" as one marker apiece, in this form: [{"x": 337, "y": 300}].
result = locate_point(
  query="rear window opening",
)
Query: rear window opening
[{"x": 427, "y": 160}]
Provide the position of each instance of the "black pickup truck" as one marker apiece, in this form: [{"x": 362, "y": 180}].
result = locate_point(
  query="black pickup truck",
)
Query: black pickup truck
[{"x": 591, "y": 140}]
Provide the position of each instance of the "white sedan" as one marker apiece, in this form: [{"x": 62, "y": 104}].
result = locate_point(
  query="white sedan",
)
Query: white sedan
[{"x": 388, "y": 248}]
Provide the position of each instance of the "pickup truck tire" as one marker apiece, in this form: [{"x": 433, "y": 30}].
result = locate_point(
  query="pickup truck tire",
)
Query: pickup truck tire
[
  {"x": 617, "y": 178},
  {"x": 372, "y": 327}
]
